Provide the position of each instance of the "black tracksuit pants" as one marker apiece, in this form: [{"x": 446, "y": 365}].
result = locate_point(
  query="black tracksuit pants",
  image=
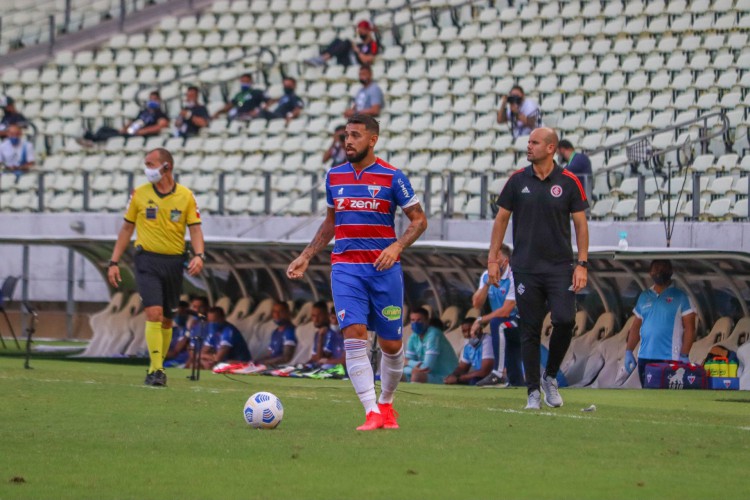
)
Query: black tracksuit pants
[{"x": 535, "y": 295}]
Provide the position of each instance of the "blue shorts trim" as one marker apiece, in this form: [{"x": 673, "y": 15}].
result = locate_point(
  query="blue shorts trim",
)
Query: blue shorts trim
[{"x": 374, "y": 301}]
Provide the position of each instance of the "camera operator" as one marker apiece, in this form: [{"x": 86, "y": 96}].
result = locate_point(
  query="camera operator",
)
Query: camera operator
[{"x": 521, "y": 113}]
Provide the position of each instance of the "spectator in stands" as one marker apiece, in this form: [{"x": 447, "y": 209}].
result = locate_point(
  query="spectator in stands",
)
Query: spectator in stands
[
  {"x": 503, "y": 322},
  {"x": 336, "y": 152},
  {"x": 369, "y": 99},
  {"x": 289, "y": 106},
  {"x": 283, "y": 340},
  {"x": 11, "y": 116},
  {"x": 16, "y": 153},
  {"x": 521, "y": 113},
  {"x": 224, "y": 343},
  {"x": 193, "y": 116},
  {"x": 664, "y": 322},
  {"x": 150, "y": 122},
  {"x": 328, "y": 345},
  {"x": 193, "y": 328},
  {"x": 429, "y": 356},
  {"x": 346, "y": 52},
  {"x": 477, "y": 357},
  {"x": 578, "y": 163},
  {"x": 246, "y": 103}
]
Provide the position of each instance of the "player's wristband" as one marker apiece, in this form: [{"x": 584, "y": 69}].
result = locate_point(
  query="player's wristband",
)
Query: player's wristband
[
  {"x": 479, "y": 320},
  {"x": 113, "y": 263},
  {"x": 202, "y": 256}
]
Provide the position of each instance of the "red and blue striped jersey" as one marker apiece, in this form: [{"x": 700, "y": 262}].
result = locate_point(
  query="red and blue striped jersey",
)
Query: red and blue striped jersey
[{"x": 365, "y": 205}]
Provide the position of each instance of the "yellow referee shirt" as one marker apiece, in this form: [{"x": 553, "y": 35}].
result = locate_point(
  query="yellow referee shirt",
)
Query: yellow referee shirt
[{"x": 160, "y": 219}]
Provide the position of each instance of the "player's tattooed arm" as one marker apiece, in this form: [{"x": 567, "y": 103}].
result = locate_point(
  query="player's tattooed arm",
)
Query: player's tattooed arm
[
  {"x": 325, "y": 234},
  {"x": 418, "y": 225}
]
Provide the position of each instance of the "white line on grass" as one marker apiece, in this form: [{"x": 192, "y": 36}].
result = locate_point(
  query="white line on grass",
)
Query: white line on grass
[{"x": 592, "y": 417}]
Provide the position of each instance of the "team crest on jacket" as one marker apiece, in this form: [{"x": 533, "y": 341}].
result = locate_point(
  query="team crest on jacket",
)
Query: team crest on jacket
[
  {"x": 374, "y": 190},
  {"x": 556, "y": 191}
]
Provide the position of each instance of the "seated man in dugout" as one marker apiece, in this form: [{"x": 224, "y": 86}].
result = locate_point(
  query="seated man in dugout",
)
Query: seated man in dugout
[{"x": 477, "y": 357}]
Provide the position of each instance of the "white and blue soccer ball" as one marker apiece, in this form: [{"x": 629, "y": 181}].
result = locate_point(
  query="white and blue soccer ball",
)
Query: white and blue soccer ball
[{"x": 263, "y": 410}]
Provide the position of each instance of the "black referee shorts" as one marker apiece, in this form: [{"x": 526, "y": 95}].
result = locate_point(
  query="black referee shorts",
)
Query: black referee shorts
[{"x": 159, "y": 279}]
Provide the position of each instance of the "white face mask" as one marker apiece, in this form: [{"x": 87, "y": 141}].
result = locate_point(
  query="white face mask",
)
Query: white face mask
[
  {"x": 335, "y": 328},
  {"x": 153, "y": 174}
]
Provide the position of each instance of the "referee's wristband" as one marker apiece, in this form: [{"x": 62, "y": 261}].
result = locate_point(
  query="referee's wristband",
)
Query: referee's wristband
[{"x": 113, "y": 263}]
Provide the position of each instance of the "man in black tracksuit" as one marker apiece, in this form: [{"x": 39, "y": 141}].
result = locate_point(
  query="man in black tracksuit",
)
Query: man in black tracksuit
[{"x": 542, "y": 197}]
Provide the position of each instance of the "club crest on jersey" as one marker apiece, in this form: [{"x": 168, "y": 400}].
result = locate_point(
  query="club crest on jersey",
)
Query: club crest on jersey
[
  {"x": 341, "y": 314},
  {"x": 174, "y": 215},
  {"x": 691, "y": 379},
  {"x": 669, "y": 300},
  {"x": 520, "y": 289},
  {"x": 556, "y": 191},
  {"x": 374, "y": 190}
]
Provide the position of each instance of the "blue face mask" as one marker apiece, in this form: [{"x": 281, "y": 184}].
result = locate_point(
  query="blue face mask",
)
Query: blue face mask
[
  {"x": 417, "y": 327},
  {"x": 245, "y": 87},
  {"x": 278, "y": 322},
  {"x": 15, "y": 140},
  {"x": 474, "y": 341},
  {"x": 153, "y": 105},
  {"x": 213, "y": 327},
  {"x": 180, "y": 321}
]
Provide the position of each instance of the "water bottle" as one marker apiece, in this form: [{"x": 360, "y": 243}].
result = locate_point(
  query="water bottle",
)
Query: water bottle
[{"x": 623, "y": 243}]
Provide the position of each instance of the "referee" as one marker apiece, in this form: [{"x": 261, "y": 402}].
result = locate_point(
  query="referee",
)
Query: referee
[
  {"x": 542, "y": 197},
  {"x": 159, "y": 211}
]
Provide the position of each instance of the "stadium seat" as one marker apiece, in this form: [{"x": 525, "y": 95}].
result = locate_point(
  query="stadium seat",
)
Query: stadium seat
[{"x": 720, "y": 331}]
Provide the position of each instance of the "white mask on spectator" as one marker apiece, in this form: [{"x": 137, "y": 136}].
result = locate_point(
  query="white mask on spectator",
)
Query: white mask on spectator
[{"x": 153, "y": 174}]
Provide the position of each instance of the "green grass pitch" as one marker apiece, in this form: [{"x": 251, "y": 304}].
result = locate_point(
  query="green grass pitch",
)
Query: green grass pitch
[{"x": 92, "y": 430}]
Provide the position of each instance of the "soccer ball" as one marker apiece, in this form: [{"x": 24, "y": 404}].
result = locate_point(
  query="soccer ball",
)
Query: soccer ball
[{"x": 263, "y": 410}]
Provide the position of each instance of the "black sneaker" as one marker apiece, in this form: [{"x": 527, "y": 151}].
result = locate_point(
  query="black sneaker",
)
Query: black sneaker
[
  {"x": 149, "y": 378},
  {"x": 493, "y": 380},
  {"x": 160, "y": 378}
]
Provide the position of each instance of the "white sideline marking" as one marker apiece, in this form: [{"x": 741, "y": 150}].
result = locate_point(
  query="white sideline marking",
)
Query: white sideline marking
[
  {"x": 592, "y": 417},
  {"x": 533, "y": 412}
]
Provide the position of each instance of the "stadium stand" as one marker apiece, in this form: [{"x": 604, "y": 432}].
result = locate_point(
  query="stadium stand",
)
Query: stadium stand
[{"x": 442, "y": 68}]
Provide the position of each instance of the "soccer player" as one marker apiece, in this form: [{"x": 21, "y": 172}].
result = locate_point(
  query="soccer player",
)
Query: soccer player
[
  {"x": 542, "y": 198},
  {"x": 366, "y": 278},
  {"x": 159, "y": 212}
]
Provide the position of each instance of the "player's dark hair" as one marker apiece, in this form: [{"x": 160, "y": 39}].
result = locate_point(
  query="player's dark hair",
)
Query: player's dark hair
[
  {"x": 283, "y": 304},
  {"x": 506, "y": 250},
  {"x": 155, "y": 93},
  {"x": 564, "y": 143},
  {"x": 218, "y": 311},
  {"x": 339, "y": 127},
  {"x": 247, "y": 75},
  {"x": 370, "y": 123},
  {"x": 424, "y": 312},
  {"x": 321, "y": 305},
  {"x": 664, "y": 264},
  {"x": 164, "y": 156},
  {"x": 469, "y": 320},
  {"x": 518, "y": 87},
  {"x": 193, "y": 88},
  {"x": 291, "y": 79},
  {"x": 202, "y": 298}
]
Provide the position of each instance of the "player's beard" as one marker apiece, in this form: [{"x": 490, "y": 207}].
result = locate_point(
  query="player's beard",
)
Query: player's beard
[{"x": 357, "y": 156}]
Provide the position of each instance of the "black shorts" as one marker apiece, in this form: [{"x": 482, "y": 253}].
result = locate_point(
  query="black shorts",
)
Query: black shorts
[{"x": 159, "y": 279}]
